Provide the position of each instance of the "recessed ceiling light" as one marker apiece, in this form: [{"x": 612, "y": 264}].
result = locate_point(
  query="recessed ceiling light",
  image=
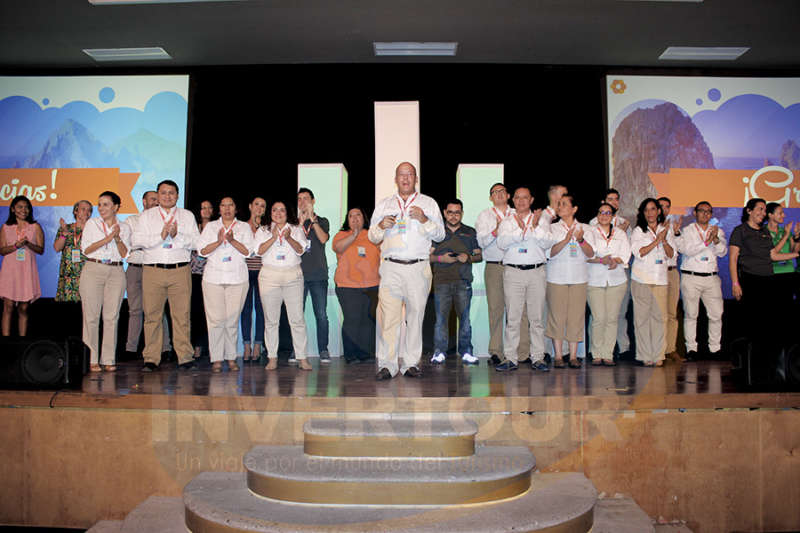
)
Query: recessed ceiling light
[
  {"x": 703, "y": 53},
  {"x": 127, "y": 54},
  {"x": 415, "y": 49}
]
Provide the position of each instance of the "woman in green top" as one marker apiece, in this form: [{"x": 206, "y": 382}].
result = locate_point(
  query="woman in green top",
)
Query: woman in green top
[
  {"x": 782, "y": 243},
  {"x": 68, "y": 243}
]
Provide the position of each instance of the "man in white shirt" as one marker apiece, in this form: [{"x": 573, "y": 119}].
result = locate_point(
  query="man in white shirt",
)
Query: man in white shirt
[
  {"x": 486, "y": 227},
  {"x": 524, "y": 241},
  {"x": 554, "y": 194},
  {"x": 166, "y": 234},
  {"x": 674, "y": 282},
  {"x": 133, "y": 282},
  {"x": 701, "y": 245},
  {"x": 404, "y": 225}
]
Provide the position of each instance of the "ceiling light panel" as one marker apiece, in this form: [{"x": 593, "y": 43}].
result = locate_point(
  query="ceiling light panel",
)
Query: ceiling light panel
[
  {"x": 703, "y": 53},
  {"x": 414, "y": 49},
  {"x": 127, "y": 54}
]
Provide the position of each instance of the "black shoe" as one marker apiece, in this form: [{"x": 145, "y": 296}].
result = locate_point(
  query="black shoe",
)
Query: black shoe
[
  {"x": 413, "y": 372},
  {"x": 525, "y": 362},
  {"x": 383, "y": 374},
  {"x": 149, "y": 367},
  {"x": 189, "y": 365},
  {"x": 495, "y": 360},
  {"x": 691, "y": 355},
  {"x": 506, "y": 366}
]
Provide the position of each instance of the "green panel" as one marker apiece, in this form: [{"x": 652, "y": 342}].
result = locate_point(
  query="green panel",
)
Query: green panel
[
  {"x": 329, "y": 184},
  {"x": 473, "y": 183}
]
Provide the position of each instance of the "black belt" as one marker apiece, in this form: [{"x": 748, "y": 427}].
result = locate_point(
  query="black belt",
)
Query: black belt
[
  {"x": 525, "y": 267},
  {"x": 701, "y": 274},
  {"x": 105, "y": 262},
  {"x": 135, "y": 265},
  {"x": 494, "y": 262},
  {"x": 168, "y": 266},
  {"x": 671, "y": 268},
  {"x": 404, "y": 261}
]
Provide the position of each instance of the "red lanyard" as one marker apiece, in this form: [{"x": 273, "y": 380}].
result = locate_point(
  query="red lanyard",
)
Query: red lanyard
[
  {"x": 497, "y": 214},
  {"x": 164, "y": 219},
  {"x": 406, "y": 205},
  {"x": 279, "y": 234},
  {"x": 307, "y": 231},
  {"x": 610, "y": 235},
  {"x": 525, "y": 224},
  {"x": 702, "y": 235},
  {"x": 574, "y": 223},
  {"x": 229, "y": 229},
  {"x": 655, "y": 237}
]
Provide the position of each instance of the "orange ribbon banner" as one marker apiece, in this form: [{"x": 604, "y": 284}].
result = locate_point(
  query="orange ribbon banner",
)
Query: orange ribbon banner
[
  {"x": 65, "y": 186},
  {"x": 728, "y": 188}
]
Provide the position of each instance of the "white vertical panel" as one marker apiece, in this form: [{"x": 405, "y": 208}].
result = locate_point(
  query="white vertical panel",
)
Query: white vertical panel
[{"x": 396, "y": 141}]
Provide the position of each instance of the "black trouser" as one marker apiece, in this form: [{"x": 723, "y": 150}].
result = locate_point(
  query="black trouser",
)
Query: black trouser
[{"x": 358, "y": 321}]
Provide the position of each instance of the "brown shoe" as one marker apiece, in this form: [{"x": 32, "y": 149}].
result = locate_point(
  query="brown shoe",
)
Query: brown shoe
[
  {"x": 232, "y": 366},
  {"x": 272, "y": 363},
  {"x": 216, "y": 367},
  {"x": 110, "y": 368},
  {"x": 95, "y": 368},
  {"x": 383, "y": 374},
  {"x": 303, "y": 364},
  {"x": 413, "y": 372}
]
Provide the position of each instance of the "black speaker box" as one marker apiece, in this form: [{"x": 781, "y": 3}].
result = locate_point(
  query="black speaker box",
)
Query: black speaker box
[
  {"x": 39, "y": 363},
  {"x": 771, "y": 366}
]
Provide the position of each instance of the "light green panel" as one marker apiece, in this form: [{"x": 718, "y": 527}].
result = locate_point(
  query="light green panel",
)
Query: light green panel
[
  {"x": 329, "y": 184},
  {"x": 472, "y": 186}
]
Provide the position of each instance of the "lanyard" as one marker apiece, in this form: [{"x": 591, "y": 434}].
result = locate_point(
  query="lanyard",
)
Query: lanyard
[
  {"x": 229, "y": 229},
  {"x": 498, "y": 213},
  {"x": 406, "y": 205},
  {"x": 279, "y": 233},
  {"x": 703, "y": 235},
  {"x": 164, "y": 219},
  {"x": 307, "y": 231},
  {"x": 525, "y": 224},
  {"x": 574, "y": 223},
  {"x": 610, "y": 235},
  {"x": 655, "y": 237}
]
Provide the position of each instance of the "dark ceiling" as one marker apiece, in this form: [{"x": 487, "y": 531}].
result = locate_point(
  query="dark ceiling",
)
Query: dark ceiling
[{"x": 623, "y": 33}]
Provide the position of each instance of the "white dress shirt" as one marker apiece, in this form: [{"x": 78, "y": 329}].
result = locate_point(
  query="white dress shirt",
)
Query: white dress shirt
[
  {"x": 523, "y": 247},
  {"x": 408, "y": 238},
  {"x": 652, "y": 268},
  {"x": 548, "y": 215},
  {"x": 225, "y": 265},
  {"x": 147, "y": 235},
  {"x": 280, "y": 254},
  {"x": 617, "y": 245},
  {"x": 485, "y": 226},
  {"x": 697, "y": 257},
  {"x": 94, "y": 230},
  {"x": 568, "y": 266},
  {"x": 616, "y": 220},
  {"x": 135, "y": 255}
]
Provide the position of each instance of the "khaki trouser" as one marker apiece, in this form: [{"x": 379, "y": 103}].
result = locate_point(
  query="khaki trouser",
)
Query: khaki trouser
[
  {"x": 524, "y": 290},
  {"x": 160, "y": 285},
  {"x": 673, "y": 295},
  {"x": 623, "y": 341},
  {"x": 708, "y": 289},
  {"x": 566, "y": 315},
  {"x": 101, "y": 288},
  {"x": 133, "y": 279},
  {"x": 403, "y": 289},
  {"x": 604, "y": 303},
  {"x": 223, "y": 306},
  {"x": 283, "y": 286},
  {"x": 649, "y": 320},
  {"x": 496, "y": 300}
]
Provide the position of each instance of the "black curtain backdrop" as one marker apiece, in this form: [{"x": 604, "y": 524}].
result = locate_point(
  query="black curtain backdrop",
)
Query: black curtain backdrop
[{"x": 251, "y": 126}]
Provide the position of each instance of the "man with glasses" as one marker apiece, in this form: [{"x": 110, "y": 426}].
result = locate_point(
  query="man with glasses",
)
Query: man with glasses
[
  {"x": 701, "y": 244},
  {"x": 451, "y": 261},
  {"x": 486, "y": 227}
]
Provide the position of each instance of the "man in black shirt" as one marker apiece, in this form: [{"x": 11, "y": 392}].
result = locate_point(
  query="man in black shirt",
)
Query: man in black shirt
[
  {"x": 315, "y": 266},
  {"x": 452, "y": 260}
]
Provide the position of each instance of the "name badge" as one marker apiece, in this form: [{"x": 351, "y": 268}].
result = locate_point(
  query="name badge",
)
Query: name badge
[
  {"x": 281, "y": 257},
  {"x": 308, "y": 245},
  {"x": 75, "y": 255},
  {"x": 659, "y": 261},
  {"x": 20, "y": 254},
  {"x": 522, "y": 250},
  {"x": 573, "y": 249},
  {"x": 167, "y": 245},
  {"x": 704, "y": 258},
  {"x": 362, "y": 252},
  {"x": 105, "y": 261},
  {"x": 401, "y": 225},
  {"x": 226, "y": 259}
]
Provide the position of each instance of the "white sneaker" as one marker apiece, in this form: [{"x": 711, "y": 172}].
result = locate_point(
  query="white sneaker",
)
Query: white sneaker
[
  {"x": 438, "y": 358},
  {"x": 292, "y": 360},
  {"x": 469, "y": 359}
]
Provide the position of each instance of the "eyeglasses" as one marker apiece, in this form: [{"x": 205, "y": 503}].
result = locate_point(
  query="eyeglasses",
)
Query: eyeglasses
[
  {"x": 452, "y": 212},
  {"x": 706, "y": 211},
  {"x": 498, "y": 191},
  {"x": 605, "y": 213}
]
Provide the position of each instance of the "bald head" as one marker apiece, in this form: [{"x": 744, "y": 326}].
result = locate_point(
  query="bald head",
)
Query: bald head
[{"x": 405, "y": 177}]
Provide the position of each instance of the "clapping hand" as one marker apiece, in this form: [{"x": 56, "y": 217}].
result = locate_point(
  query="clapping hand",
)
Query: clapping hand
[
  {"x": 788, "y": 228},
  {"x": 578, "y": 233},
  {"x": 713, "y": 234},
  {"x": 623, "y": 225},
  {"x": 221, "y": 235},
  {"x": 676, "y": 224},
  {"x": 662, "y": 235}
]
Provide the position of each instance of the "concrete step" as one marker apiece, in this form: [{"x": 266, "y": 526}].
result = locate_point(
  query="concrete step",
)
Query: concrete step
[
  {"x": 217, "y": 501},
  {"x": 396, "y": 437},
  {"x": 156, "y": 513},
  {"x": 620, "y": 515},
  {"x": 106, "y": 526},
  {"x": 286, "y": 473}
]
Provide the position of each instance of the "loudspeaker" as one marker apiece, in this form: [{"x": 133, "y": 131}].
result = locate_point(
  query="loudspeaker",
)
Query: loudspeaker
[
  {"x": 767, "y": 365},
  {"x": 43, "y": 363}
]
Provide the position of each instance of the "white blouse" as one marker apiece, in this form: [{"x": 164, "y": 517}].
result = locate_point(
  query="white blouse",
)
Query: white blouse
[
  {"x": 94, "y": 230},
  {"x": 652, "y": 268},
  {"x": 225, "y": 265},
  {"x": 569, "y": 266},
  {"x": 280, "y": 254},
  {"x": 617, "y": 245}
]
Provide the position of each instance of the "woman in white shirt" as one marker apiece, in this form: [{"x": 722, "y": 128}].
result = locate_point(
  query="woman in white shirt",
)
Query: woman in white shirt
[
  {"x": 280, "y": 245},
  {"x": 608, "y": 283},
  {"x": 652, "y": 243},
  {"x": 567, "y": 275},
  {"x": 105, "y": 244},
  {"x": 225, "y": 243}
]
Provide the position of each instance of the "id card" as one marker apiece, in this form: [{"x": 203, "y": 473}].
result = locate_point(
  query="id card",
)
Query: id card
[
  {"x": 105, "y": 261},
  {"x": 167, "y": 245},
  {"x": 20, "y": 254},
  {"x": 522, "y": 250},
  {"x": 75, "y": 255},
  {"x": 308, "y": 245},
  {"x": 659, "y": 261},
  {"x": 281, "y": 257},
  {"x": 704, "y": 258},
  {"x": 401, "y": 226},
  {"x": 573, "y": 249},
  {"x": 362, "y": 252},
  {"x": 226, "y": 259}
]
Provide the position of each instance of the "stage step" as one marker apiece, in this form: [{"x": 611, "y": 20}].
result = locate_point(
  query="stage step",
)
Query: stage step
[
  {"x": 106, "y": 526},
  {"x": 287, "y": 473},
  {"x": 156, "y": 513},
  {"x": 396, "y": 437},
  {"x": 620, "y": 515},
  {"x": 555, "y": 502}
]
